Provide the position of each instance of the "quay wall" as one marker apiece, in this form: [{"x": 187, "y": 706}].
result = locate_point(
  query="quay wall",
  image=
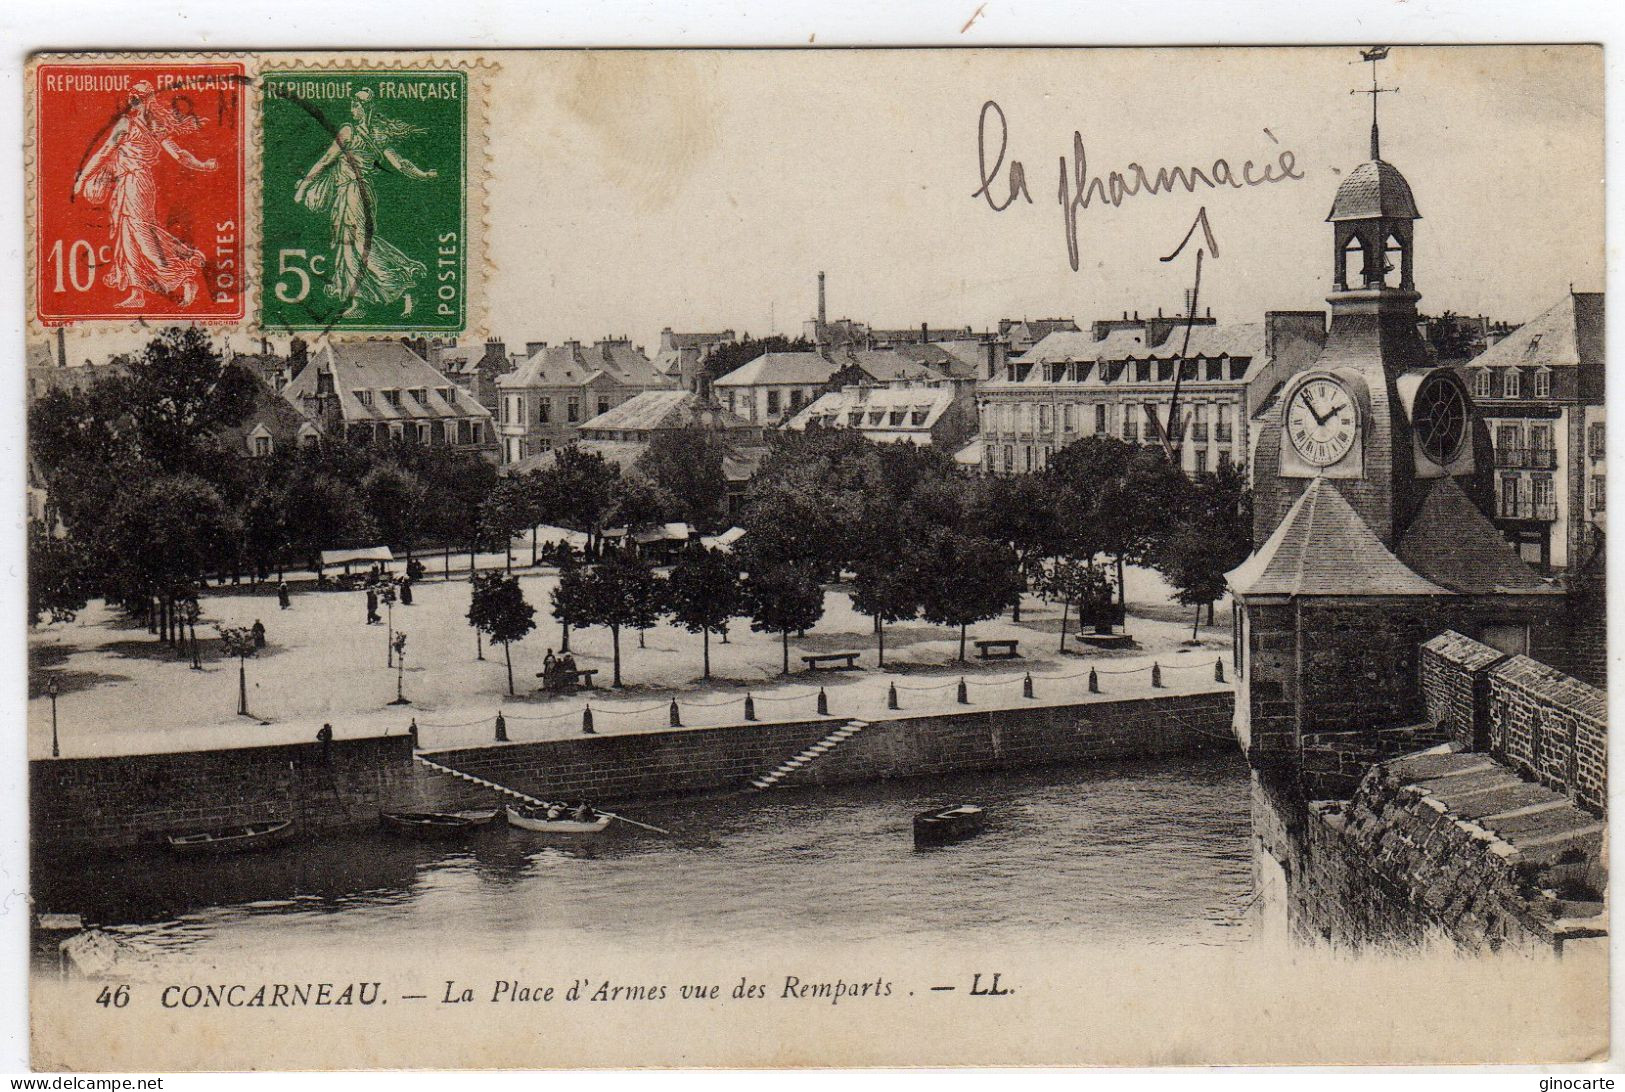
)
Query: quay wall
[
  {"x": 79, "y": 804},
  {"x": 652, "y": 764},
  {"x": 87, "y": 804}
]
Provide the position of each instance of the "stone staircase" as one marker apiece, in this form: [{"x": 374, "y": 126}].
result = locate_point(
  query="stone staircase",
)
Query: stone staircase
[
  {"x": 480, "y": 781},
  {"x": 810, "y": 754}
]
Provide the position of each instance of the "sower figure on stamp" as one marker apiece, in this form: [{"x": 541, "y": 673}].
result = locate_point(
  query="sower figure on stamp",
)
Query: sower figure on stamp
[
  {"x": 366, "y": 268},
  {"x": 120, "y": 173}
]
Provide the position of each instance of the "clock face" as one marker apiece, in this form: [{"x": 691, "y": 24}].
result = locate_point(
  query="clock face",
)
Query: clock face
[
  {"x": 1440, "y": 418},
  {"x": 1321, "y": 422}
]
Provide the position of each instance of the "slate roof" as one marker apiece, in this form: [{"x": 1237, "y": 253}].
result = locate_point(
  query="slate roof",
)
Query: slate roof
[
  {"x": 1567, "y": 334},
  {"x": 665, "y": 411},
  {"x": 1322, "y": 547},
  {"x": 377, "y": 366},
  {"x": 934, "y": 401},
  {"x": 573, "y": 364},
  {"x": 1374, "y": 188},
  {"x": 799, "y": 368},
  {"x": 1452, "y": 544}
]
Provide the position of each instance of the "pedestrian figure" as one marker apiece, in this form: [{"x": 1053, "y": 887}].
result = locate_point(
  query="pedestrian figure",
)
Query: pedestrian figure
[
  {"x": 550, "y": 670},
  {"x": 282, "y": 594},
  {"x": 325, "y": 738},
  {"x": 258, "y": 629},
  {"x": 372, "y": 607},
  {"x": 406, "y": 592}
]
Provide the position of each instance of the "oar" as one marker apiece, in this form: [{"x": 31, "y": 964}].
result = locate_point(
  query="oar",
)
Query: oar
[{"x": 634, "y": 822}]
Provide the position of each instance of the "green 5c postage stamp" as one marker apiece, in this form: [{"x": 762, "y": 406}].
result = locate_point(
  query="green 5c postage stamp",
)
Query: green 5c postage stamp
[{"x": 364, "y": 200}]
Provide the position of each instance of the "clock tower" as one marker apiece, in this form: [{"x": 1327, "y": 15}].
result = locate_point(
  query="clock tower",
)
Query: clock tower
[{"x": 1370, "y": 478}]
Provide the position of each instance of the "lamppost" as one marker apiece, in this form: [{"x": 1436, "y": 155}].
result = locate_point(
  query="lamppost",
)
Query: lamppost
[
  {"x": 399, "y": 645},
  {"x": 387, "y": 594},
  {"x": 53, "y": 690}
]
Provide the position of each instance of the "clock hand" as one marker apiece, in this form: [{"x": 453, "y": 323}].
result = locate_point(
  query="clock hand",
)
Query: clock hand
[{"x": 1319, "y": 420}]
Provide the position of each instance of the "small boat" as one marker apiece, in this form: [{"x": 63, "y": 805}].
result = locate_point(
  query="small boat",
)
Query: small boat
[
  {"x": 239, "y": 839},
  {"x": 531, "y": 819},
  {"x": 935, "y": 828},
  {"x": 437, "y": 824}
]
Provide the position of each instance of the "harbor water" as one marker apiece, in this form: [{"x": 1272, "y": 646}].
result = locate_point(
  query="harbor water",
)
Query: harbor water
[{"x": 1146, "y": 851}]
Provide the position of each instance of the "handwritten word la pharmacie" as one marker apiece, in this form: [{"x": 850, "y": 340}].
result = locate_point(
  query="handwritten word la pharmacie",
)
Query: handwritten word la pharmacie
[{"x": 1078, "y": 189}]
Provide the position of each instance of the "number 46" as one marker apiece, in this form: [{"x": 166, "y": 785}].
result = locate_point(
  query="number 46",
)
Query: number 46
[{"x": 117, "y": 997}]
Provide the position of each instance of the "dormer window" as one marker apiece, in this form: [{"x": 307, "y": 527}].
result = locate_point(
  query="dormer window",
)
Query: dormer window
[
  {"x": 393, "y": 397},
  {"x": 1543, "y": 383},
  {"x": 1509, "y": 383},
  {"x": 1481, "y": 383},
  {"x": 917, "y": 418},
  {"x": 364, "y": 397},
  {"x": 855, "y": 418},
  {"x": 420, "y": 396}
]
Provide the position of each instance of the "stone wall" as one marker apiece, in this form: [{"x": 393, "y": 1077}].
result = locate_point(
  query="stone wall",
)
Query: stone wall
[
  {"x": 1334, "y": 762},
  {"x": 1550, "y": 728},
  {"x": 652, "y": 764},
  {"x": 77, "y": 804},
  {"x": 1455, "y": 687}
]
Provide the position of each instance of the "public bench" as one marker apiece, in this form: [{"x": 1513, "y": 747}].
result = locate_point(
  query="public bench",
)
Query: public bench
[
  {"x": 832, "y": 661},
  {"x": 563, "y": 682},
  {"x": 985, "y": 649}
]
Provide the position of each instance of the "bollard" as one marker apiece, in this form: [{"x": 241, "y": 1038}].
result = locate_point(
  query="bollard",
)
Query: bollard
[
  {"x": 750, "y": 707},
  {"x": 891, "y": 696},
  {"x": 964, "y": 694},
  {"x": 823, "y": 703},
  {"x": 1218, "y": 669},
  {"x": 412, "y": 733},
  {"x": 676, "y": 718},
  {"x": 586, "y": 720},
  {"x": 1094, "y": 682},
  {"x": 1027, "y": 685},
  {"x": 1156, "y": 674},
  {"x": 502, "y": 728}
]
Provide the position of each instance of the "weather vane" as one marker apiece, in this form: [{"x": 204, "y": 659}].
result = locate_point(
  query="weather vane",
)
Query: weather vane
[{"x": 1374, "y": 54}]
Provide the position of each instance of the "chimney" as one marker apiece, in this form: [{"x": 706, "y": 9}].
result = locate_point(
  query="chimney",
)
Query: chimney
[
  {"x": 925, "y": 333},
  {"x": 534, "y": 347},
  {"x": 298, "y": 356},
  {"x": 61, "y": 347},
  {"x": 821, "y": 315}
]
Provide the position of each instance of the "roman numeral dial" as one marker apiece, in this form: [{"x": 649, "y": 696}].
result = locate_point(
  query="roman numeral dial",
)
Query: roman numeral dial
[{"x": 1321, "y": 421}]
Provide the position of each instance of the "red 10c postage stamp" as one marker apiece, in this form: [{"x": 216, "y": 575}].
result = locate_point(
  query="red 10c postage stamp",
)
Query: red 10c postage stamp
[{"x": 139, "y": 191}]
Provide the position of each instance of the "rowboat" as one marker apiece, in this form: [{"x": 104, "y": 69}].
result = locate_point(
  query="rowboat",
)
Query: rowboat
[
  {"x": 437, "y": 824},
  {"x": 935, "y": 828},
  {"x": 528, "y": 819},
  {"x": 238, "y": 839}
]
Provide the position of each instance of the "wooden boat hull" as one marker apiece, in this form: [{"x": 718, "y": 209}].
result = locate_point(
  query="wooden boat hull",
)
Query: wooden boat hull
[
  {"x": 437, "y": 824},
  {"x": 946, "y": 825},
  {"x": 523, "y": 821},
  {"x": 247, "y": 838}
]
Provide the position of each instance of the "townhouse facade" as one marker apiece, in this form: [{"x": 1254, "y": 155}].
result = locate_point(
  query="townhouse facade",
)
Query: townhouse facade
[
  {"x": 380, "y": 392},
  {"x": 1118, "y": 380},
  {"x": 1540, "y": 392},
  {"x": 556, "y": 389}
]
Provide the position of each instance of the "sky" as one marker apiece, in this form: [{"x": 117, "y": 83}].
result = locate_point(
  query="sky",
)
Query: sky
[{"x": 629, "y": 191}]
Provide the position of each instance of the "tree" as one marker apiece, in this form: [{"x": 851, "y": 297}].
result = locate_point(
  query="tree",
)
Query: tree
[
  {"x": 498, "y": 609},
  {"x": 506, "y": 512},
  {"x": 622, "y": 592},
  {"x": 581, "y": 485},
  {"x": 1018, "y": 510},
  {"x": 180, "y": 391},
  {"x": 886, "y": 592},
  {"x": 783, "y": 599},
  {"x": 1210, "y": 534},
  {"x": 1113, "y": 498},
  {"x": 58, "y": 575},
  {"x": 964, "y": 578},
  {"x": 394, "y": 499},
  {"x": 161, "y": 536},
  {"x": 705, "y": 593},
  {"x": 686, "y": 465},
  {"x": 572, "y": 597},
  {"x": 239, "y": 642},
  {"x": 1081, "y": 583}
]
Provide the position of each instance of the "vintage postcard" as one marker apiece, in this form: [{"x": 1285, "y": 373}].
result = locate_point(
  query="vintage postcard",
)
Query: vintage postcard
[{"x": 1043, "y": 556}]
